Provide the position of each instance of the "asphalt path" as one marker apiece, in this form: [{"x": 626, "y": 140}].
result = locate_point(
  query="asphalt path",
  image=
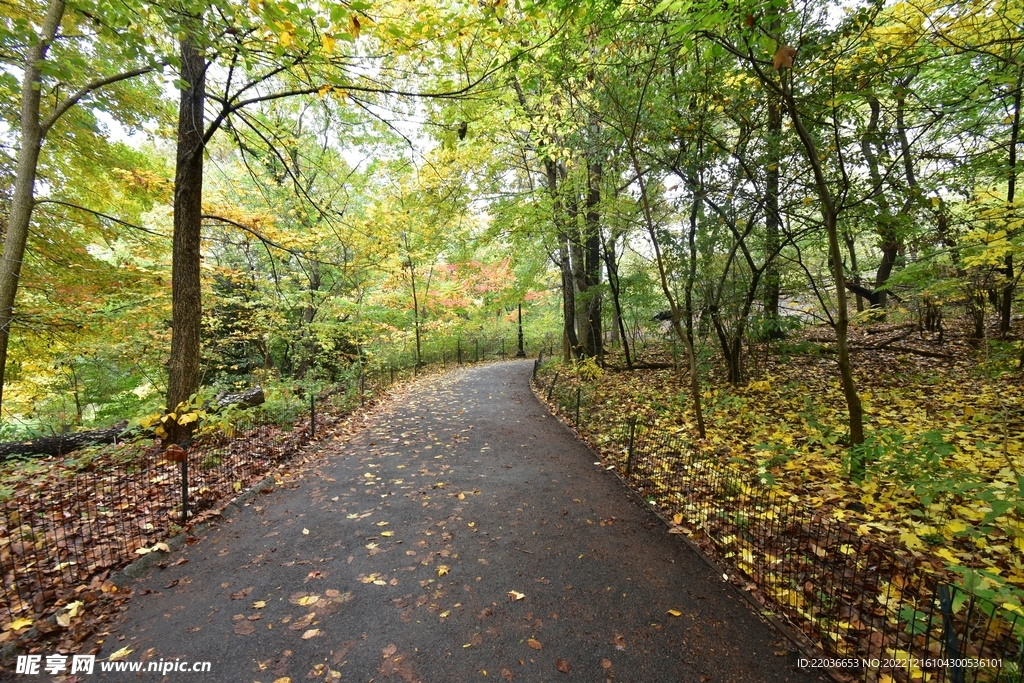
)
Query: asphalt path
[{"x": 462, "y": 534}]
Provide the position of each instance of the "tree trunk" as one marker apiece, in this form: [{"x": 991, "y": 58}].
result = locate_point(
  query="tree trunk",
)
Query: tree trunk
[
  {"x": 841, "y": 323},
  {"x": 1006, "y": 309},
  {"x": 186, "y": 294},
  {"x": 613, "y": 283},
  {"x": 685, "y": 335},
  {"x": 23, "y": 197},
  {"x": 772, "y": 222},
  {"x": 308, "y": 357},
  {"x": 592, "y": 263},
  {"x": 570, "y": 344}
]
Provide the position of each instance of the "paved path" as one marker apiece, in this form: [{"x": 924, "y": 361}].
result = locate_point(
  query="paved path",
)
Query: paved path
[{"x": 464, "y": 535}]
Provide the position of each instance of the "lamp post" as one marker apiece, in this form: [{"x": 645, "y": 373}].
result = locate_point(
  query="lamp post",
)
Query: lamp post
[{"x": 521, "y": 353}]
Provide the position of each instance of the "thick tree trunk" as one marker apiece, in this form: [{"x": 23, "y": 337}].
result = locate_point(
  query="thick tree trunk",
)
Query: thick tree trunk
[
  {"x": 186, "y": 293},
  {"x": 23, "y": 197}
]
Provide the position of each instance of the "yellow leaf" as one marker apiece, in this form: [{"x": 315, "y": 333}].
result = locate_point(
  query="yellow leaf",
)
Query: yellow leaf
[
  {"x": 675, "y": 613},
  {"x": 307, "y": 600},
  {"x": 120, "y": 654},
  {"x": 442, "y": 570},
  {"x": 259, "y": 604},
  {"x": 305, "y": 532},
  {"x": 328, "y": 42},
  {"x": 387, "y": 534},
  {"x": 516, "y": 595},
  {"x": 20, "y": 624},
  {"x": 911, "y": 540},
  {"x": 311, "y": 633},
  {"x": 285, "y": 39},
  {"x": 1013, "y": 608}
]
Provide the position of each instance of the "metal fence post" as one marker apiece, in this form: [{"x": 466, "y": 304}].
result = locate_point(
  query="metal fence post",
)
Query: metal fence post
[
  {"x": 579, "y": 391},
  {"x": 476, "y": 350},
  {"x": 184, "y": 490},
  {"x": 312, "y": 414},
  {"x": 362, "y": 387},
  {"x": 552, "y": 387},
  {"x": 459, "y": 347},
  {"x": 632, "y": 440}
]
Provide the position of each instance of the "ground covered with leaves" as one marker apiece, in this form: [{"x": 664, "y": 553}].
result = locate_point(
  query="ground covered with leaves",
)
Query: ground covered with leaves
[
  {"x": 69, "y": 523},
  {"x": 943, "y": 459}
]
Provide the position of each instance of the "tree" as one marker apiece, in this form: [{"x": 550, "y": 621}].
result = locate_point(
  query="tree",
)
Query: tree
[{"x": 54, "y": 73}]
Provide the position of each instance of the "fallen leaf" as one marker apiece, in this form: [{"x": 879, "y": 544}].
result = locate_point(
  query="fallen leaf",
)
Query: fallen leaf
[
  {"x": 442, "y": 570},
  {"x": 619, "y": 642},
  {"x": 506, "y": 674},
  {"x": 563, "y": 665},
  {"x": 311, "y": 633},
  {"x": 20, "y": 624},
  {"x": 120, "y": 654},
  {"x": 516, "y": 595},
  {"x": 259, "y": 604},
  {"x": 675, "y": 613},
  {"x": 389, "y": 651},
  {"x": 535, "y": 644},
  {"x": 606, "y": 663},
  {"x": 307, "y": 600},
  {"x": 305, "y": 532},
  {"x": 244, "y": 627}
]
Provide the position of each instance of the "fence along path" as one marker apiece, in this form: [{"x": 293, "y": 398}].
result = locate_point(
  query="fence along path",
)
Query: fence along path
[
  {"x": 81, "y": 520},
  {"x": 888, "y": 617}
]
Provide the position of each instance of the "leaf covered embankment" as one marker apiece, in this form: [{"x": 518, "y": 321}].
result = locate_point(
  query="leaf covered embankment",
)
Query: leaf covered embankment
[{"x": 942, "y": 459}]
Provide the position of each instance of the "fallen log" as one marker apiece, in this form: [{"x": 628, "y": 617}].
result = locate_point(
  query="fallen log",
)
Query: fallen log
[
  {"x": 250, "y": 398},
  {"x": 62, "y": 444}
]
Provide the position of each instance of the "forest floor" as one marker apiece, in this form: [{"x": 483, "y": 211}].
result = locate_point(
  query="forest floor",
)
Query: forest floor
[
  {"x": 943, "y": 459},
  {"x": 461, "y": 533}
]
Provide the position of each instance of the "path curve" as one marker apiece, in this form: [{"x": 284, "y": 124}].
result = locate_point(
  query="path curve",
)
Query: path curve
[{"x": 402, "y": 557}]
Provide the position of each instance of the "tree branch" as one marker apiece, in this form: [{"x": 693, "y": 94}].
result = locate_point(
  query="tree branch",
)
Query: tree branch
[{"x": 74, "y": 98}]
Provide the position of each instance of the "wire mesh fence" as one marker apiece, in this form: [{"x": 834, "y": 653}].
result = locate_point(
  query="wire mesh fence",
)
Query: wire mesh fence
[
  {"x": 884, "y": 615},
  {"x": 82, "y": 519}
]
